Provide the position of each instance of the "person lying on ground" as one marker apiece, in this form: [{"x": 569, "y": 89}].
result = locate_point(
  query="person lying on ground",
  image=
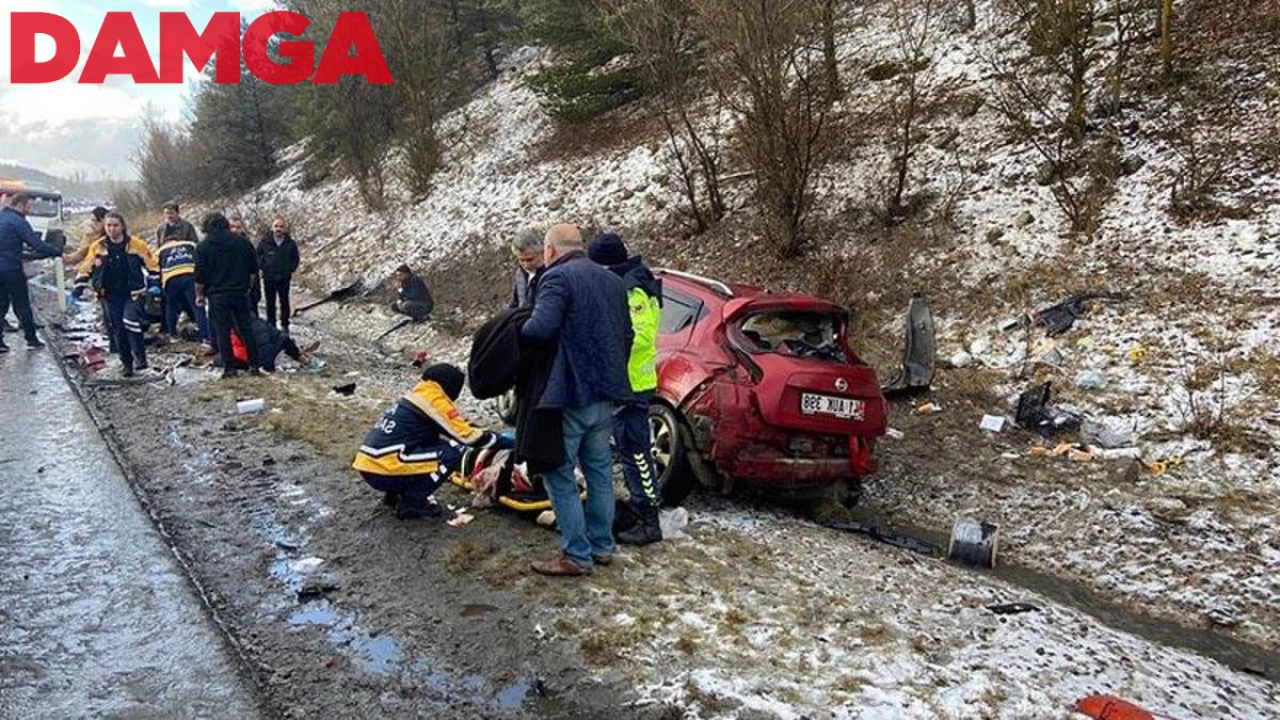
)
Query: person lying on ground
[
  {"x": 631, "y": 420},
  {"x": 414, "y": 299},
  {"x": 416, "y": 444},
  {"x": 271, "y": 342},
  {"x": 120, "y": 269}
]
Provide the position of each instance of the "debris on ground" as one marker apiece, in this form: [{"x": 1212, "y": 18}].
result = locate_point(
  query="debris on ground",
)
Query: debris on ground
[
  {"x": 1091, "y": 380},
  {"x": 974, "y": 542},
  {"x": 1137, "y": 354},
  {"x": 346, "y": 390},
  {"x": 928, "y": 408},
  {"x": 1035, "y": 414},
  {"x": 247, "y": 407},
  {"x": 1162, "y": 466},
  {"x": 894, "y": 433},
  {"x": 1105, "y": 437},
  {"x": 992, "y": 423},
  {"x": 1013, "y": 608},
  {"x": 1047, "y": 352},
  {"x": 1110, "y": 707},
  {"x": 460, "y": 519},
  {"x": 1057, "y": 319},
  {"x": 920, "y": 351},
  {"x": 673, "y": 522}
]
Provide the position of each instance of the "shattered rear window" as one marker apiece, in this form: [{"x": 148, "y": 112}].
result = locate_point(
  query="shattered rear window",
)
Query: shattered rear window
[{"x": 801, "y": 334}]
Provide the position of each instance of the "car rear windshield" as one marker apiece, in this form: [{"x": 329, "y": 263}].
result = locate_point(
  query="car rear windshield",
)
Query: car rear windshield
[
  {"x": 44, "y": 206},
  {"x": 801, "y": 334}
]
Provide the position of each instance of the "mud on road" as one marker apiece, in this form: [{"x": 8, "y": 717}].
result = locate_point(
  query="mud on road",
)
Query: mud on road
[{"x": 340, "y": 610}]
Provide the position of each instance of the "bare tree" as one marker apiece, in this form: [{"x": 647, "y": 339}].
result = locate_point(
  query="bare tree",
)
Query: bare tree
[
  {"x": 915, "y": 97},
  {"x": 423, "y": 50},
  {"x": 772, "y": 77},
  {"x": 1166, "y": 37},
  {"x": 663, "y": 42},
  {"x": 830, "y": 51}
]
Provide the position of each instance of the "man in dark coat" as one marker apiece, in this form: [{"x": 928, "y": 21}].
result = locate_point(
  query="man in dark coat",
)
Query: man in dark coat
[
  {"x": 16, "y": 232},
  {"x": 225, "y": 266},
  {"x": 529, "y": 267},
  {"x": 582, "y": 307},
  {"x": 414, "y": 299},
  {"x": 174, "y": 226},
  {"x": 277, "y": 262}
]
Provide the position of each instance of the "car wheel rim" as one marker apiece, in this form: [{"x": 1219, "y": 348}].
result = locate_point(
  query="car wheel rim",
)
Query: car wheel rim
[{"x": 662, "y": 438}]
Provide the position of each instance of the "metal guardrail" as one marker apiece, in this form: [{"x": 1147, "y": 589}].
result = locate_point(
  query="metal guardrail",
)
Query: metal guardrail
[{"x": 715, "y": 285}]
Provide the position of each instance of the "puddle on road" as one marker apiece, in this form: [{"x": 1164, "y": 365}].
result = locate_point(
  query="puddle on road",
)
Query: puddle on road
[{"x": 377, "y": 653}]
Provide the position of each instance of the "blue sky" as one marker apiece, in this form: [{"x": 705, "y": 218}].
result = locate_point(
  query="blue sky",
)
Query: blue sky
[{"x": 63, "y": 127}]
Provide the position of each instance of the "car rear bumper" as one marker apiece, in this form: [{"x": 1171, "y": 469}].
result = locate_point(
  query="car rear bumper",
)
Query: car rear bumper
[{"x": 791, "y": 473}]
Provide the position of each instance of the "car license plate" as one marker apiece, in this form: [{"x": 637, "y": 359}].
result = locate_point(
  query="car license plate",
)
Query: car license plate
[{"x": 844, "y": 408}]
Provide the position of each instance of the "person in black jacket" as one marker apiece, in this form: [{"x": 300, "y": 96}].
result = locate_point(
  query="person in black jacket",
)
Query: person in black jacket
[
  {"x": 414, "y": 299},
  {"x": 225, "y": 267},
  {"x": 241, "y": 228},
  {"x": 278, "y": 260}
]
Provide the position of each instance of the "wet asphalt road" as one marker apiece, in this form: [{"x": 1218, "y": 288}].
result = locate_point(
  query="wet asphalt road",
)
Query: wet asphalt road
[{"x": 96, "y": 619}]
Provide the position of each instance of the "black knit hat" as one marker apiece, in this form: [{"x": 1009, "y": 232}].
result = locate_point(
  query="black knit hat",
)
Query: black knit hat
[
  {"x": 448, "y": 377},
  {"x": 607, "y": 249}
]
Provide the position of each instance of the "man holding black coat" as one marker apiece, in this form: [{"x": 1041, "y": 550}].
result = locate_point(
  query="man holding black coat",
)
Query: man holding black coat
[
  {"x": 277, "y": 260},
  {"x": 225, "y": 269}
]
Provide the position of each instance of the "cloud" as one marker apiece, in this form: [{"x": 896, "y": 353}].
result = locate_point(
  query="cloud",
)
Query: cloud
[{"x": 96, "y": 147}]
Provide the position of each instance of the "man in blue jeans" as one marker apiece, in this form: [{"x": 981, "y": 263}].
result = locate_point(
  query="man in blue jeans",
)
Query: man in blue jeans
[{"x": 582, "y": 307}]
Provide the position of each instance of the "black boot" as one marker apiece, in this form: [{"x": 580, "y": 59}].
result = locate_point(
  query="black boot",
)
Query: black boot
[
  {"x": 415, "y": 507},
  {"x": 646, "y": 531}
]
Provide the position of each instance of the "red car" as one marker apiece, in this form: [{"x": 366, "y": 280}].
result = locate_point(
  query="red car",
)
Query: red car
[{"x": 761, "y": 390}]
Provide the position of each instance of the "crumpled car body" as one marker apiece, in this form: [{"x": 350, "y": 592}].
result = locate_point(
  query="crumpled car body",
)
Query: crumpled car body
[{"x": 759, "y": 390}]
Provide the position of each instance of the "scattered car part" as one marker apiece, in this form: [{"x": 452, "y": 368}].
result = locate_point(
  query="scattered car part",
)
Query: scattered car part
[
  {"x": 919, "y": 355},
  {"x": 991, "y": 423},
  {"x": 1013, "y": 608},
  {"x": 974, "y": 542},
  {"x": 1110, "y": 707},
  {"x": 1057, "y": 319},
  {"x": 346, "y": 390},
  {"x": 1034, "y": 413},
  {"x": 248, "y": 407},
  {"x": 377, "y": 342},
  {"x": 339, "y": 294}
]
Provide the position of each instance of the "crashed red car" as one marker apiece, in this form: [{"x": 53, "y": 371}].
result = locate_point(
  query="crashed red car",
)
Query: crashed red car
[{"x": 760, "y": 390}]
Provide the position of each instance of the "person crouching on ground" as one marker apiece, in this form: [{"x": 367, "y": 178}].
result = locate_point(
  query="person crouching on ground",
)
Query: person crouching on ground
[
  {"x": 631, "y": 421},
  {"x": 118, "y": 267},
  {"x": 177, "y": 270},
  {"x": 417, "y": 443},
  {"x": 414, "y": 299},
  {"x": 271, "y": 342}
]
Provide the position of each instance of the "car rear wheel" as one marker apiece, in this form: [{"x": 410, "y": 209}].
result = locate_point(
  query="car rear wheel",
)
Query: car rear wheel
[{"x": 675, "y": 476}]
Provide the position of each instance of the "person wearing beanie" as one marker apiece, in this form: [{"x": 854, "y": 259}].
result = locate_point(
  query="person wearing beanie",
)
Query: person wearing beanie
[
  {"x": 417, "y": 443},
  {"x": 631, "y": 421}
]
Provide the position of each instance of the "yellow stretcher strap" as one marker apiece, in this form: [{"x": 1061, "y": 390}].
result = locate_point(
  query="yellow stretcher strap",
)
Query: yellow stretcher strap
[{"x": 509, "y": 502}]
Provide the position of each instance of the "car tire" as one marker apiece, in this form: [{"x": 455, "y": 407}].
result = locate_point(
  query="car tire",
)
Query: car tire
[{"x": 675, "y": 477}]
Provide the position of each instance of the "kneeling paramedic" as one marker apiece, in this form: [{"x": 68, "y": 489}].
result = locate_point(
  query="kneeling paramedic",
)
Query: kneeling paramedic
[{"x": 417, "y": 443}]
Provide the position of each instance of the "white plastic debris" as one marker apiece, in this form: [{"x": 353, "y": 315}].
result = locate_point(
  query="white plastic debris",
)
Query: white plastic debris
[
  {"x": 673, "y": 522},
  {"x": 245, "y": 407},
  {"x": 961, "y": 359},
  {"x": 461, "y": 519},
  {"x": 895, "y": 433},
  {"x": 306, "y": 565},
  {"x": 992, "y": 423},
  {"x": 1091, "y": 380}
]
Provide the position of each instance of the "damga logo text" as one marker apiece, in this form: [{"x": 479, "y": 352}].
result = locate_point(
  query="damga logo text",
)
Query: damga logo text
[{"x": 352, "y": 49}]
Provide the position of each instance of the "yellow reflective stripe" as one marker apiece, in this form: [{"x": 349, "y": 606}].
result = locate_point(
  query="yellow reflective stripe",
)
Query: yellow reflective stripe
[
  {"x": 431, "y": 399},
  {"x": 391, "y": 464}
]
